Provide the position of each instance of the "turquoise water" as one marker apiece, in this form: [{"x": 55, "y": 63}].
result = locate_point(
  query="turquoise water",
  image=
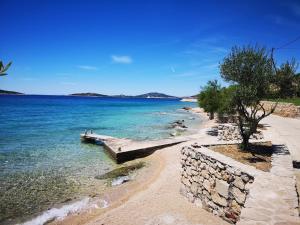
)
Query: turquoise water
[{"x": 43, "y": 162}]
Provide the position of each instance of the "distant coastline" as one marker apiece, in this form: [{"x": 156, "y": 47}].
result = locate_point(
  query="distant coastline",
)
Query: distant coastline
[
  {"x": 147, "y": 95},
  {"x": 5, "y": 92},
  {"x": 150, "y": 95}
]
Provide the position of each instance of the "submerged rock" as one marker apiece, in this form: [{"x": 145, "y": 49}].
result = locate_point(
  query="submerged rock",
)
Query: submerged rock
[
  {"x": 178, "y": 124},
  {"x": 173, "y": 134},
  {"x": 120, "y": 180},
  {"x": 121, "y": 171}
]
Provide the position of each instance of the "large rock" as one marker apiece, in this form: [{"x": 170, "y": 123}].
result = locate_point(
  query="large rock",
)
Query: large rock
[
  {"x": 239, "y": 196},
  {"x": 235, "y": 207},
  {"x": 205, "y": 174},
  {"x": 218, "y": 199},
  {"x": 206, "y": 185},
  {"x": 194, "y": 188},
  {"x": 238, "y": 182},
  {"x": 222, "y": 188}
]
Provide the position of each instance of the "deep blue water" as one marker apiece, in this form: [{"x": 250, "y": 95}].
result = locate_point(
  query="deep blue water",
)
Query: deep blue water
[{"x": 40, "y": 144}]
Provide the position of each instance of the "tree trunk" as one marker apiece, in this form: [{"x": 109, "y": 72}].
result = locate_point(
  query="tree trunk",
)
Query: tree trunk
[
  {"x": 245, "y": 143},
  {"x": 211, "y": 115}
]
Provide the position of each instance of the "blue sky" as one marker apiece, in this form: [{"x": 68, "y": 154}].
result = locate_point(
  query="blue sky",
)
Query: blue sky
[{"x": 133, "y": 47}]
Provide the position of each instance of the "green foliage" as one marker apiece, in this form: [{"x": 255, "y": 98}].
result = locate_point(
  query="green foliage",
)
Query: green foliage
[
  {"x": 295, "y": 101},
  {"x": 250, "y": 70},
  {"x": 227, "y": 106},
  {"x": 3, "y": 68},
  {"x": 209, "y": 97},
  {"x": 286, "y": 80},
  {"x": 297, "y": 84}
]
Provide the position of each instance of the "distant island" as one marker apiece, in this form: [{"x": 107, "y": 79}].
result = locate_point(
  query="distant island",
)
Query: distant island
[
  {"x": 4, "y": 92},
  {"x": 92, "y": 94},
  {"x": 89, "y": 94},
  {"x": 154, "y": 95},
  {"x": 147, "y": 95}
]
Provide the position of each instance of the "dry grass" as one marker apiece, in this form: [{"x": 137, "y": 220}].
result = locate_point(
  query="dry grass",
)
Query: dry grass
[{"x": 259, "y": 154}]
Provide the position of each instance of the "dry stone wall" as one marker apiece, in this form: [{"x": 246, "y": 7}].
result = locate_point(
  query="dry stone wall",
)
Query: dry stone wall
[
  {"x": 230, "y": 132},
  {"x": 283, "y": 109},
  {"x": 213, "y": 184}
]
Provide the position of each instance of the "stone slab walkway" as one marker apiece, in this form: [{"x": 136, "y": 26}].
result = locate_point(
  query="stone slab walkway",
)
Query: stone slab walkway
[
  {"x": 273, "y": 198},
  {"x": 282, "y": 130}
]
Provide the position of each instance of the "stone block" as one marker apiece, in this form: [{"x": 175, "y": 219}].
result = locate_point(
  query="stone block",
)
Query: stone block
[
  {"x": 222, "y": 188},
  {"x": 238, "y": 182},
  {"x": 202, "y": 165},
  {"x": 219, "y": 200},
  {"x": 211, "y": 170},
  {"x": 194, "y": 188},
  {"x": 206, "y": 185},
  {"x": 239, "y": 196},
  {"x": 219, "y": 165},
  {"x": 205, "y": 174},
  {"x": 245, "y": 178},
  {"x": 235, "y": 207}
]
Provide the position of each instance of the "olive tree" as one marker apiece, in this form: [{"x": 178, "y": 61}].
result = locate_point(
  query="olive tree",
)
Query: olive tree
[
  {"x": 250, "y": 70},
  {"x": 209, "y": 98},
  {"x": 3, "y": 68},
  {"x": 286, "y": 79}
]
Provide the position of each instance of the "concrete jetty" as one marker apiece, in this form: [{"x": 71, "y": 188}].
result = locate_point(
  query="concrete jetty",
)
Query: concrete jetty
[{"x": 123, "y": 149}]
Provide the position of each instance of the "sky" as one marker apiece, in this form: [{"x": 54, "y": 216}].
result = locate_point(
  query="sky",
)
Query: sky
[{"x": 133, "y": 47}]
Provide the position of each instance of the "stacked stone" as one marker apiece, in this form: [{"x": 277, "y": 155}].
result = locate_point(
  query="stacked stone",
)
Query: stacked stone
[
  {"x": 213, "y": 185},
  {"x": 283, "y": 109},
  {"x": 229, "y": 132}
]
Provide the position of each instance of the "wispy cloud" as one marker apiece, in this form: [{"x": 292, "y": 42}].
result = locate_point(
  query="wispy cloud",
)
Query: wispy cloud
[
  {"x": 207, "y": 45},
  {"x": 172, "y": 69},
  {"x": 87, "y": 67},
  {"x": 121, "y": 59}
]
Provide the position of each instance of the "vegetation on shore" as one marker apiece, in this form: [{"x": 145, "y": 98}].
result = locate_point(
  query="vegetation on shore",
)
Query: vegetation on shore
[
  {"x": 252, "y": 76},
  {"x": 295, "y": 100}
]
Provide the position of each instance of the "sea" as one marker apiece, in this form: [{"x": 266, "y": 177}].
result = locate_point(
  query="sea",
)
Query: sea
[{"x": 43, "y": 163}]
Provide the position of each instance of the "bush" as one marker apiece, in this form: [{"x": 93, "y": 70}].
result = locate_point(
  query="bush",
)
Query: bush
[
  {"x": 209, "y": 98},
  {"x": 286, "y": 80}
]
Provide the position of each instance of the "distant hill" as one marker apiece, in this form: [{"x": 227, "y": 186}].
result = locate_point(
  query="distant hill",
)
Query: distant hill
[
  {"x": 4, "y": 92},
  {"x": 154, "y": 95},
  {"x": 89, "y": 94},
  {"x": 148, "y": 95}
]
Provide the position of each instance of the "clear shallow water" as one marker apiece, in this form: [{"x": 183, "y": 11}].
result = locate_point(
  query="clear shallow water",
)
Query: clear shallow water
[{"x": 43, "y": 162}]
